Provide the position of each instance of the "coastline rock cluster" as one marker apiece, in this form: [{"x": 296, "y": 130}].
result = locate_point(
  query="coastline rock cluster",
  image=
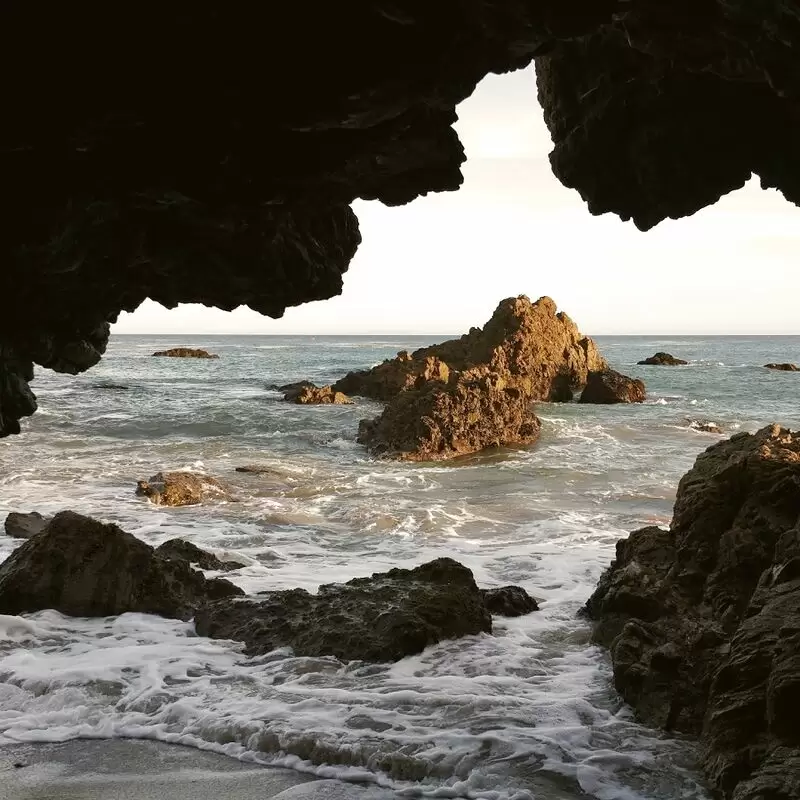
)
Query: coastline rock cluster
[
  {"x": 703, "y": 620},
  {"x": 307, "y": 393},
  {"x": 184, "y": 352},
  {"x": 662, "y": 359},
  {"x": 476, "y": 392},
  {"x": 82, "y": 567}
]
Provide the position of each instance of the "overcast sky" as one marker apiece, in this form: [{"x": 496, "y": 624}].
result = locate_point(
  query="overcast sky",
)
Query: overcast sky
[{"x": 442, "y": 263}]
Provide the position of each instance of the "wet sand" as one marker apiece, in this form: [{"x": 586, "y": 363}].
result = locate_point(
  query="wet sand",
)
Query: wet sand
[{"x": 143, "y": 770}]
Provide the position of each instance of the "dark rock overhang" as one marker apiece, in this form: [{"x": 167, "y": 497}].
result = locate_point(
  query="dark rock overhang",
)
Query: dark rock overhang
[{"x": 210, "y": 154}]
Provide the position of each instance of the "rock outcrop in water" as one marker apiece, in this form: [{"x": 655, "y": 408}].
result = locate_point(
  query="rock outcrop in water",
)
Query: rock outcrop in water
[
  {"x": 84, "y": 568},
  {"x": 662, "y": 359},
  {"x": 783, "y": 367},
  {"x": 185, "y": 352},
  {"x": 382, "y": 618},
  {"x": 609, "y": 386},
  {"x": 23, "y": 526},
  {"x": 181, "y": 489},
  {"x": 191, "y": 554},
  {"x": 467, "y": 394},
  {"x": 308, "y": 394},
  {"x": 703, "y": 619}
]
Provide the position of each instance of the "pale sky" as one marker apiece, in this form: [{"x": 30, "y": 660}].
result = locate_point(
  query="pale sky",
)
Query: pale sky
[{"x": 442, "y": 263}]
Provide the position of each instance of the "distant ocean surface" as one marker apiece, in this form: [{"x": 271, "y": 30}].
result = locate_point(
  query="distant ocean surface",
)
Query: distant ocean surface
[{"x": 527, "y": 713}]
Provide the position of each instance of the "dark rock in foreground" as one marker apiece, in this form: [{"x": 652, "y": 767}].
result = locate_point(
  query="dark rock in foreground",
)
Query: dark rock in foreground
[
  {"x": 509, "y": 601},
  {"x": 84, "y": 568},
  {"x": 181, "y": 550},
  {"x": 185, "y": 352},
  {"x": 703, "y": 620},
  {"x": 382, "y": 618},
  {"x": 609, "y": 386},
  {"x": 662, "y": 359},
  {"x": 181, "y": 489},
  {"x": 310, "y": 394},
  {"x": 783, "y": 367},
  {"x": 440, "y": 421},
  {"x": 23, "y": 526}
]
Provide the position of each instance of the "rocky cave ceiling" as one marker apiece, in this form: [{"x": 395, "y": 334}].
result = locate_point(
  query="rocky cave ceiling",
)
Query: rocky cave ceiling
[{"x": 194, "y": 154}]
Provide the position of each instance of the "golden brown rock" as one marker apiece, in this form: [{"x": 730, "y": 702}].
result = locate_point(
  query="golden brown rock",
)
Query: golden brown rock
[
  {"x": 181, "y": 489},
  {"x": 610, "y": 386},
  {"x": 318, "y": 395}
]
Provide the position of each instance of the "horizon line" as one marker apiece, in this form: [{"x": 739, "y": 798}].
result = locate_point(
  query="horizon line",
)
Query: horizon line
[{"x": 435, "y": 333}]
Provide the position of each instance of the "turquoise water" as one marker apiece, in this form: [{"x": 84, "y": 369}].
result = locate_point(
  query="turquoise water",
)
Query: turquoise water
[{"x": 528, "y": 712}]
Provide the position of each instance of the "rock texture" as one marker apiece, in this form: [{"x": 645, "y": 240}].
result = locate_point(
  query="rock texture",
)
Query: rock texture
[
  {"x": 509, "y": 601},
  {"x": 136, "y": 180},
  {"x": 382, "y": 618},
  {"x": 783, "y": 367},
  {"x": 185, "y": 352},
  {"x": 181, "y": 489},
  {"x": 610, "y": 386},
  {"x": 188, "y": 553},
  {"x": 475, "y": 392},
  {"x": 662, "y": 359},
  {"x": 703, "y": 619},
  {"x": 23, "y": 526},
  {"x": 705, "y": 426},
  {"x": 316, "y": 395},
  {"x": 84, "y": 568}
]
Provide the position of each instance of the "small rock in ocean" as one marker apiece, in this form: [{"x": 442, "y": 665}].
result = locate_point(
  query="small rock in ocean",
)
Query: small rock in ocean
[
  {"x": 382, "y": 618},
  {"x": 609, "y": 386},
  {"x": 662, "y": 359},
  {"x": 181, "y": 489},
  {"x": 181, "y": 550},
  {"x": 704, "y": 426},
  {"x": 85, "y": 568},
  {"x": 783, "y": 367},
  {"x": 317, "y": 395},
  {"x": 509, "y": 601},
  {"x": 291, "y": 390},
  {"x": 23, "y": 526},
  {"x": 185, "y": 352}
]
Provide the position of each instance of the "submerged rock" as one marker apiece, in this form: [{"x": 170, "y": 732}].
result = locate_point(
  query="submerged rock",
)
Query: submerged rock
[
  {"x": 783, "y": 367},
  {"x": 85, "y": 568},
  {"x": 23, "y": 526},
  {"x": 381, "y": 618},
  {"x": 185, "y": 352},
  {"x": 439, "y": 421},
  {"x": 317, "y": 395},
  {"x": 610, "y": 386},
  {"x": 509, "y": 601},
  {"x": 181, "y": 550},
  {"x": 181, "y": 489},
  {"x": 703, "y": 620},
  {"x": 662, "y": 359},
  {"x": 705, "y": 426},
  {"x": 291, "y": 390}
]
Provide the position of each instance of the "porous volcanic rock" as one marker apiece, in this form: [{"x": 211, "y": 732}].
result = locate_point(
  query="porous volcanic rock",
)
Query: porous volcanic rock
[
  {"x": 84, "y": 568},
  {"x": 783, "y": 367},
  {"x": 181, "y": 489},
  {"x": 23, "y": 526},
  {"x": 703, "y": 620},
  {"x": 662, "y": 359},
  {"x": 385, "y": 617},
  {"x": 475, "y": 411},
  {"x": 133, "y": 181},
  {"x": 394, "y": 375},
  {"x": 610, "y": 386},
  {"x": 509, "y": 601},
  {"x": 317, "y": 395},
  {"x": 181, "y": 550},
  {"x": 185, "y": 352}
]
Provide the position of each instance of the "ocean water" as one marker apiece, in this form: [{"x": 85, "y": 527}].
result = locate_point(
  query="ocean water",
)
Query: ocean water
[{"x": 528, "y": 712}]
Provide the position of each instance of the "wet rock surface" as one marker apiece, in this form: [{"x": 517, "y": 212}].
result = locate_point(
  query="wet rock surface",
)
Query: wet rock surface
[
  {"x": 662, "y": 359},
  {"x": 703, "y": 620},
  {"x": 23, "y": 526},
  {"x": 309, "y": 394},
  {"x": 609, "y": 387},
  {"x": 468, "y": 394},
  {"x": 509, "y": 601},
  {"x": 181, "y": 489},
  {"x": 181, "y": 550},
  {"x": 85, "y": 568},
  {"x": 706, "y": 426},
  {"x": 783, "y": 367},
  {"x": 382, "y": 618},
  {"x": 184, "y": 352}
]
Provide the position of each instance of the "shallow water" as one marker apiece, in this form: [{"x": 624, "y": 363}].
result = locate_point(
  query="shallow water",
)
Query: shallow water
[{"x": 527, "y": 712}]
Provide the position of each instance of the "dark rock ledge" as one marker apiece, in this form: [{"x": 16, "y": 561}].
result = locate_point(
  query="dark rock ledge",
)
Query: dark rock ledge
[
  {"x": 82, "y": 567},
  {"x": 703, "y": 620},
  {"x": 137, "y": 180}
]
